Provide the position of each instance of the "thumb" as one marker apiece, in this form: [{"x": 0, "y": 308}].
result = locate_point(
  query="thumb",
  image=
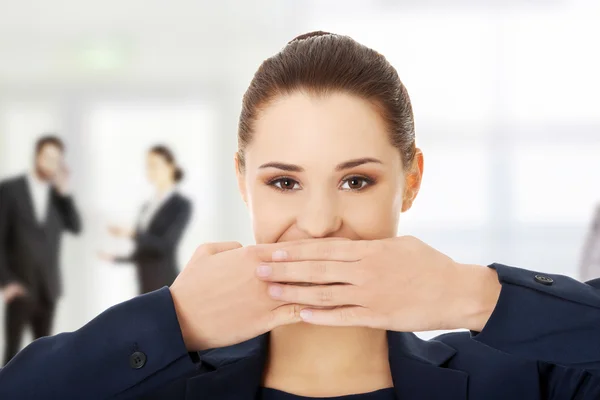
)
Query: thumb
[
  {"x": 284, "y": 315},
  {"x": 339, "y": 316}
]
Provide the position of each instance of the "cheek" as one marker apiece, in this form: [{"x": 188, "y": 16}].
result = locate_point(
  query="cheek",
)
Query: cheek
[
  {"x": 272, "y": 213},
  {"x": 373, "y": 215},
  {"x": 49, "y": 165}
]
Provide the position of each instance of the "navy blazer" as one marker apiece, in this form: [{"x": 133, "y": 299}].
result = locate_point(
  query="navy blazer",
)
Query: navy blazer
[{"x": 541, "y": 342}]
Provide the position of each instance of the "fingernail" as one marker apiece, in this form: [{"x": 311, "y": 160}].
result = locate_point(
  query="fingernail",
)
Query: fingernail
[
  {"x": 275, "y": 291},
  {"x": 264, "y": 270},
  {"x": 305, "y": 314},
  {"x": 279, "y": 255}
]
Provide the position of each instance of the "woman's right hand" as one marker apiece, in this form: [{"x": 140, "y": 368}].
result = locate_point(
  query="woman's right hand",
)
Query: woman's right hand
[{"x": 220, "y": 302}]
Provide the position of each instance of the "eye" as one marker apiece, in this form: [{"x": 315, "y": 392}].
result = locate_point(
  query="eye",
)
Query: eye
[
  {"x": 285, "y": 184},
  {"x": 356, "y": 183}
]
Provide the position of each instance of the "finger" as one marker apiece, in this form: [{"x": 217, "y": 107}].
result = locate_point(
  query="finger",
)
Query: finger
[
  {"x": 265, "y": 251},
  {"x": 284, "y": 315},
  {"x": 323, "y": 295},
  {"x": 318, "y": 272},
  {"x": 211, "y": 249},
  {"x": 340, "y": 316},
  {"x": 333, "y": 250}
]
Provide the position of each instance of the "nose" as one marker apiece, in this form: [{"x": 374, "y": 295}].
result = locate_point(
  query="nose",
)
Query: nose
[{"x": 320, "y": 216}]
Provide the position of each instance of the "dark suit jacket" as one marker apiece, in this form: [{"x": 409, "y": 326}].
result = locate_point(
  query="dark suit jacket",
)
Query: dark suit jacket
[
  {"x": 155, "y": 255},
  {"x": 29, "y": 252},
  {"x": 541, "y": 342}
]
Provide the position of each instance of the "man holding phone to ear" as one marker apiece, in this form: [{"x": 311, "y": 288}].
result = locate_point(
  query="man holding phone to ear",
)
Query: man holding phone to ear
[{"x": 35, "y": 209}]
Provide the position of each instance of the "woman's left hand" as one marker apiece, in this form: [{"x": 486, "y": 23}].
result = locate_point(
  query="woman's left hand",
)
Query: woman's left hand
[{"x": 398, "y": 284}]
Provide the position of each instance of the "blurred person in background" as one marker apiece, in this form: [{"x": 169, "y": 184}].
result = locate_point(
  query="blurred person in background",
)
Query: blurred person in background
[
  {"x": 35, "y": 209},
  {"x": 589, "y": 267},
  {"x": 160, "y": 225},
  {"x": 324, "y": 304}
]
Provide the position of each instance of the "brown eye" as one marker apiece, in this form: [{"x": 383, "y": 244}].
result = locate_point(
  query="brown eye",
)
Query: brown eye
[
  {"x": 355, "y": 183},
  {"x": 285, "y": 184}
]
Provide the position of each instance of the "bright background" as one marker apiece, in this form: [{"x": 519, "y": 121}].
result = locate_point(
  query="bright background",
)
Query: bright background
[{"x": 506, "y": 97}]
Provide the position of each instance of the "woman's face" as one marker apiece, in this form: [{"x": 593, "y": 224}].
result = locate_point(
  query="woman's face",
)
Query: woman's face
[
  {"x": 158, "y": 170},
  {"x": 324, "y": 167}
]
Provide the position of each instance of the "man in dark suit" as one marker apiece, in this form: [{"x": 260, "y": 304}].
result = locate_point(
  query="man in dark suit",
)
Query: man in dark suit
[{"x": 35, "y": 208}]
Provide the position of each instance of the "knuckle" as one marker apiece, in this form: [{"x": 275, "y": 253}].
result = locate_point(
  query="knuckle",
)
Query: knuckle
[
  {"x": 288, "y": 313},
  {"x": 204, "y": 249},
  {"x": 249, "y": 252},
  {"x": 235, "y": 245},
  {"x": 273, "y": 318},
  {"x": 375, "y": 246},
  {"x": 325, "y": 295},
  {"x": 411, "y": 240},
  {"x": 282, "y": 270},
  {"x": 363, "y": 274},
  {"x": 324, "y": 250},
  {"x": 345, "y": 314},
  {"x": 318, "y": 271},
  {"x": 294, "y": 312}
]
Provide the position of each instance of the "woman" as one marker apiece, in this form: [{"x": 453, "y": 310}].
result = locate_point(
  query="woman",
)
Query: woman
[
  {"x": 326, "y": 163},
  {"x": 160, "y": 225}
]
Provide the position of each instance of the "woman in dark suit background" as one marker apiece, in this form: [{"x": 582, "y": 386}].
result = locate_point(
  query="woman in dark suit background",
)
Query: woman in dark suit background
[{"x": 160, "y": 225}]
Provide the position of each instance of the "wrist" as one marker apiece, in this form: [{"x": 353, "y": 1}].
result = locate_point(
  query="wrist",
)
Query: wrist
[
  {"x": 480, "y": 293},
  {"x": 181, "y": 319}
]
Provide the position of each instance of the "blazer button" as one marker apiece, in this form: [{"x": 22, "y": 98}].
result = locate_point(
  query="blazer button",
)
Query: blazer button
[
  {"x": 544, "y": 280},
  {"x": 137, "y": 360}
]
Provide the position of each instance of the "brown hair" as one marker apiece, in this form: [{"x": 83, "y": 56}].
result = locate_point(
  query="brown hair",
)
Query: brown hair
[
  {"x": 167, "y": 154},
  {"x": 51, "y": 140},
  {"x": 321, "y": 63}
]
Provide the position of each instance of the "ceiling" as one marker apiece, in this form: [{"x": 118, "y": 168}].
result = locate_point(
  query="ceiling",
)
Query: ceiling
[{"x": 137, "y": 40}]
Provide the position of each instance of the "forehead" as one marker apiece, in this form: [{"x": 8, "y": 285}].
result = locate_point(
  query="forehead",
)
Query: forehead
[
  {"x": 50, "y": 150},
  {"x": 304, "y": 128},
  {"x": 153, "y": 157}
]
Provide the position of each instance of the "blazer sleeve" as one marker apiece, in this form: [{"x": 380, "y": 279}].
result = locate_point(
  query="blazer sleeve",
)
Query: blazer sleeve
[
  {"x": 6, "y": 275},
  {"x": 551, "y": 319},
  {"x": 98, "y": 361},
  {"x": 160, "y": 244},
  {"x": 68, "y": 212}
]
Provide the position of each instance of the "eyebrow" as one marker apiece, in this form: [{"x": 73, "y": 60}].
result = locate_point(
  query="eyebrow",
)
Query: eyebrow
[
  {"x": 356, "y": 162},
  {"x": 340, "y": 167}
]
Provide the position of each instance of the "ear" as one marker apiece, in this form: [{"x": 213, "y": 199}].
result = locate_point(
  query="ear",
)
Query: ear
[
  {"x": 241, "y": 179},
  {"x": 413, "y": 181}
]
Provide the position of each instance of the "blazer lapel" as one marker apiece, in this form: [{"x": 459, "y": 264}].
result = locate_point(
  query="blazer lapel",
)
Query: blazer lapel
[
  {"x": 418, "y": 371},
  {"x": 237, "y": 373},
  {"x": 162, "y": 208}
]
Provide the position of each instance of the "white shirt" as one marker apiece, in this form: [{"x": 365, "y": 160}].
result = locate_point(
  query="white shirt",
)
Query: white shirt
[
  {"x": 39, "y": 191},
  {"x": 152, "y": 207}
]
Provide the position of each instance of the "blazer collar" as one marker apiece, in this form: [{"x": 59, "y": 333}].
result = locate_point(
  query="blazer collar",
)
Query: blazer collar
[{"x": 418, "y": 370}]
